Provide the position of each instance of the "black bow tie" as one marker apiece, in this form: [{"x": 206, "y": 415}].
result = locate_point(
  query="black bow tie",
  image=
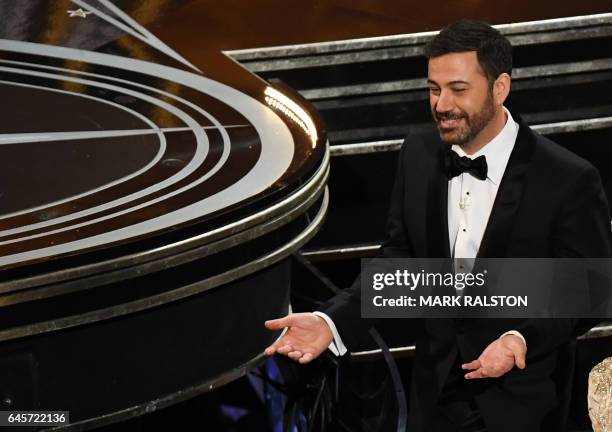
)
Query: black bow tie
[{"x": 455, "y": 165}]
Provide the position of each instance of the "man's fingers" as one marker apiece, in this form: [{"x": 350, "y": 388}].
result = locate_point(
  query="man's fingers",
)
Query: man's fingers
[
  {"x": 519, "y": 357},
  {"x": 294, "y": 355},
  {"x": 479, "y": 373},
  {"x": 306, "y": 358},
  {"x": 280, "y": 323},
  {"x": 274, "y": 348},
  {"x": 285, "y": 349},
  {"x": 518, "y": 351},
  {"x": 499, "y": 358},
  {"x": 472, "y": 365},
  {"x": 519, "y": 360}
]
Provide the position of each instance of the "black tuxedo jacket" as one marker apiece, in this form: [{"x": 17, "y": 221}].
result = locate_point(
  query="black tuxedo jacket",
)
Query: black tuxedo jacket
[{"x": 550, "y": 203}]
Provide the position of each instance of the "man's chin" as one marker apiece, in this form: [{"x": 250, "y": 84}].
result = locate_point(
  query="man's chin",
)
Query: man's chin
[{"x": 449, "y": 136}]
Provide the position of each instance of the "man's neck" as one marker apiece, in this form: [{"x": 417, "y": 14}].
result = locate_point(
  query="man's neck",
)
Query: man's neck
[{"x": 490, "y": 131}]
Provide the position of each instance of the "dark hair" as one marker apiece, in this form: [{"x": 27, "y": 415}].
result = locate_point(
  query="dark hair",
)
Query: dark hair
[{"x": 493, "y": 50}]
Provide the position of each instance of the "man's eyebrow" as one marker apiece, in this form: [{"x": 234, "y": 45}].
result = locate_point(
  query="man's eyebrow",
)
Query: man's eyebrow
[{"x": 429, "y": 81}]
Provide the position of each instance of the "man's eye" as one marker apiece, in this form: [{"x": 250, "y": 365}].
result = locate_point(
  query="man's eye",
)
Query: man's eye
[
  {"x": 434, "y": 90},
  {"x": 459, "y": 90}
]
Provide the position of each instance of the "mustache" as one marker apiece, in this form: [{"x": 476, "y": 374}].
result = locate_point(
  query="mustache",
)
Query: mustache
[{"x": 448, "y": 115}]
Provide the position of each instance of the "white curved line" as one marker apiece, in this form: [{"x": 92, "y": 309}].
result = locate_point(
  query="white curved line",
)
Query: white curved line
[
  {"x": 276, "y": 155},
  {"x": 218, "y": 165},
  {"x": 39, "y": 137},
  {"x": 155, "y": 129},
  {"x": 222, "y": 129},
  {"x": 199, "y": 155},
  {"x": 142, "y": 34},
  {"x": 36, "y": 137}
]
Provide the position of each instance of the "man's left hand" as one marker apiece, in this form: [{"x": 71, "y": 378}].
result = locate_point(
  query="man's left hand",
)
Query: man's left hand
[{"x": 498, "y": 358}]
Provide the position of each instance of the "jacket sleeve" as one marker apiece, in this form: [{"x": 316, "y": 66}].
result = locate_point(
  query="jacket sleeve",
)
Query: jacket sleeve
[
  {"x": 582, "y": 231},
  {"x": 345, "y": 308}
]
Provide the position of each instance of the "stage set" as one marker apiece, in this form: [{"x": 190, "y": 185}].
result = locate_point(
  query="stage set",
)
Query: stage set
[{"x": 175, "y": 173}]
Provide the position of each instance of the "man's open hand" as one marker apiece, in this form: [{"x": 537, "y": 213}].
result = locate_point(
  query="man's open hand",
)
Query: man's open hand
[
  {"x": 498, "y": 358},
  {"x": 306, "y": 338}
]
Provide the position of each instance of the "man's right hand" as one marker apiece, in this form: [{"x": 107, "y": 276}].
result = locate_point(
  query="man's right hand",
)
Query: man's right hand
[{"x": 307, "y": 336}]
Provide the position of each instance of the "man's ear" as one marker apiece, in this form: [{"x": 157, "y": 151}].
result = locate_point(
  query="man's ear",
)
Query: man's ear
[{"x": 501, "y": 88}]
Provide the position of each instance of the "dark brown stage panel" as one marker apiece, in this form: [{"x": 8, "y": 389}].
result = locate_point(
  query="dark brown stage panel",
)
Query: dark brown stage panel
[
  {"x": 238, "y": 24},
  {"x": 149, "y": 203}
]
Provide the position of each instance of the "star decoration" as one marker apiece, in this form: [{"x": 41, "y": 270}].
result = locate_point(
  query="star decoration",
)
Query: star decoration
[{"x": 78, "y": 13}]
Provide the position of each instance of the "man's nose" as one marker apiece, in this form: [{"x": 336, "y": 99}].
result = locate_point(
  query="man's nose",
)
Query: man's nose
[{"x": 445, "y": 102}]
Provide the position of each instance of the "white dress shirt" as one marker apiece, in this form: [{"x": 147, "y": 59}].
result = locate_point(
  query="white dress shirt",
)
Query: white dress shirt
[{"x": 470, "y": 201}]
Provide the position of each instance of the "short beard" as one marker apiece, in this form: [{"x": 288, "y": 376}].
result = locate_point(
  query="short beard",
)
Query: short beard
[{"x": 474, "y": 124}]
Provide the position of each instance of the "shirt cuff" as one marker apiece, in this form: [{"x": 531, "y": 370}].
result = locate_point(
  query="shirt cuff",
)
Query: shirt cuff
[
  {"x": 515, "y": 333},
  {"x": 336, "y": 346}
]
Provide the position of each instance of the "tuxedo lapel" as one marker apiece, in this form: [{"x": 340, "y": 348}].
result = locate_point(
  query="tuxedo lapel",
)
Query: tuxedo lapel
[
  {"x": 437, "y": 211},
  {"x": 497, "y": 234}
]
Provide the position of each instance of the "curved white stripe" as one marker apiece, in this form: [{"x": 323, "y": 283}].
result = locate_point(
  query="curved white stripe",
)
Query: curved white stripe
[
  {"x": 136, "y": 31},
  {"x": 156, "y": 158},
  {"x": 35, "y": 137},
  {"x": 222, "y": 130},
  {"x": 218, "y": 165},
  {"x": 211, "y": 118},
  {"x": 39, "y": 137},
  {"x": 121, "y": 15},
  {"x": 276, "y": 156},
  {"x": 198, "y": 158}
]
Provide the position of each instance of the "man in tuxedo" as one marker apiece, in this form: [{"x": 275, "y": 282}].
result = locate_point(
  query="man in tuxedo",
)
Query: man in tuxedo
[{"x": 485, "y": 185}]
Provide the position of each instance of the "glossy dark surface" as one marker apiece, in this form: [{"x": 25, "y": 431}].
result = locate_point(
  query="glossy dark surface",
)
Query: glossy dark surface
[
  {"x": 126, "y": 367},
  {"x": 110, "y": 135}
]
